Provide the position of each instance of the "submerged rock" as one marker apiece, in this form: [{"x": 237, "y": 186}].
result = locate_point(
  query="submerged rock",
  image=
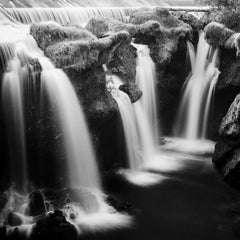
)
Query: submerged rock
[
  {"x": 53, "y": 226},
  {"x": 14, "y": 219},
  {"x": 227, "y": 151}
]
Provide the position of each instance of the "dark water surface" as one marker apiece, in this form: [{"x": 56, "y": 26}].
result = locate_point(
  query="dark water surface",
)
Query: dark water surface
[{"x": 191, "y": 204}]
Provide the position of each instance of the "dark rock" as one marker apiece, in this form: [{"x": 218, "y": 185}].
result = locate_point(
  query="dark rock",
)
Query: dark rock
[
  {"x": 132, "y": 91},
  {"x": 227, "y": 151},
  {"x": 53, "y": 226},
  {"x": 36, "y": 205},
  {"x": 3, "y": 232},
  {"x": 120, "y": 206},
  {"x": 165, "y": 42},
  {"x": 14, "y": 219}
]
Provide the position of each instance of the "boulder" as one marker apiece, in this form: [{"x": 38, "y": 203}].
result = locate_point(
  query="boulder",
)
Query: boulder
[
  {"x": 132, "y": 91},
  {"x": 14, "y": 219},
  {"x": 53, "y": 226},
  {"x": 36, "y": 205},
  {"x": 227, "y": 151}
]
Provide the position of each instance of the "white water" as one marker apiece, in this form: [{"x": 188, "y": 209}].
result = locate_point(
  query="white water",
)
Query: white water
[
  {"x": 130, "y": 128},
  {"x": 96, "y": 3},
  {"x": 12, "y": 103},
  {"x": 195, "y": 106},
  {"x": 146, "y": 80},
  {"x": 64, "y": 15},
  {"x": 83, "y": 171}
]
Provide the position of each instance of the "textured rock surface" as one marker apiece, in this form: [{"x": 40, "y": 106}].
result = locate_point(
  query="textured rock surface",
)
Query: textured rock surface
[
  {"x": 164, "y": 42},
  {"x": 53, "y": 226},
  {"x": 132, "y": 91},
  {"x": 227, "y": 150}
]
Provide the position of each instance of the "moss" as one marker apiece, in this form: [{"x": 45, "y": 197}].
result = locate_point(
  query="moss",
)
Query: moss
[
  {"x": 51, "y": 33},
  {"x": 217, "y": 34}
]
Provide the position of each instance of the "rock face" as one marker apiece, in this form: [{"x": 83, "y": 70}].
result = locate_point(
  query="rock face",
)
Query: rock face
[{"x": 227, "y": 151}]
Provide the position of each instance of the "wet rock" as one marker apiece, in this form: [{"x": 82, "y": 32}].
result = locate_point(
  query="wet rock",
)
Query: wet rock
[
  {"x": 36, "y": 205},
  {"x": 53, "y": 226},
  {"x": 132, "y": 91},
  {"x": 227, "y": 151},
  {"x": 14, "y": 219},
  {"x": 120, "y": 206}
]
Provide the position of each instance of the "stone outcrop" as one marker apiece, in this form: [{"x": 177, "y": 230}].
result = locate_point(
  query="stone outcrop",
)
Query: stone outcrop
[{"x": 227, "y": 151}]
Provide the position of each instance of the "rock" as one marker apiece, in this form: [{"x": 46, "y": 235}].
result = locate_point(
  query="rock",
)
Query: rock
[
  {"x": 217, "y": 35},
  {"x": 132, "y": 91},
  {"x": 76, "y": 47},
  {"x": 120, "y": 206},
  {"x": 14, "y": 219},
  {"x": 53, "y": 226},
  {"x": 36, "y": 205},
  {"x": 166, "y": 39},
  {"x": 197, "y": 24},
  {"x": 3, "y": 232},
  {"x": 227, "y": 151}
]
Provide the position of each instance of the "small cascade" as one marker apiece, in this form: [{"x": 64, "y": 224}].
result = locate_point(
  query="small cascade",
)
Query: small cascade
[
  {"x": 129, "y": 122},
  {"x": 195, "y": 105},
  {"x": 12, "y": 104},
  {"x": 146, "y": 80}
]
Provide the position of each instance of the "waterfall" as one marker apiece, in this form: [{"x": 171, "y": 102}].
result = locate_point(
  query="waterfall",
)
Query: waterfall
[
  {"x": 130, "y": 128},
  {"x": 146, "y": 80},
  {"x": 64, "y": 16},
  {"x": 12, "y": 104},
  {"x": 80, "y": 157},
  {"x": 83, "y": 170},
  {"x": 195, "y": 105}
]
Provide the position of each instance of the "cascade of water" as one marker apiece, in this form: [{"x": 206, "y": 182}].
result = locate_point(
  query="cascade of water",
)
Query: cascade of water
[
  {"x": 83, "y": 171},
  {"x": 80, "y": 154},
  {"x": 195, "y": 104},
  {"x": 129, "y": 123},
  {"x": 12, "y": 103},
  {"x": 65, "y": 16},
  {"x": 146, "y": 80}
]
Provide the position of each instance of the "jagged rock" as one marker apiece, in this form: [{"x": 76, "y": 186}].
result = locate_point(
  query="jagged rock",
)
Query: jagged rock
[
  {"x": 53, "y": 226},
  {"x": 132, "y": 91},
  {"x": 14, "y": 219},
  {"x": 36, "y": 205},
  {"x": 227, "y": 151}
]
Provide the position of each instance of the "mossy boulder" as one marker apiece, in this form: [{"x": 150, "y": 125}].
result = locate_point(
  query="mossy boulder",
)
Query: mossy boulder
[
  {"x": 164, "y": 40},
  {"x": 132, "y": 91}
]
